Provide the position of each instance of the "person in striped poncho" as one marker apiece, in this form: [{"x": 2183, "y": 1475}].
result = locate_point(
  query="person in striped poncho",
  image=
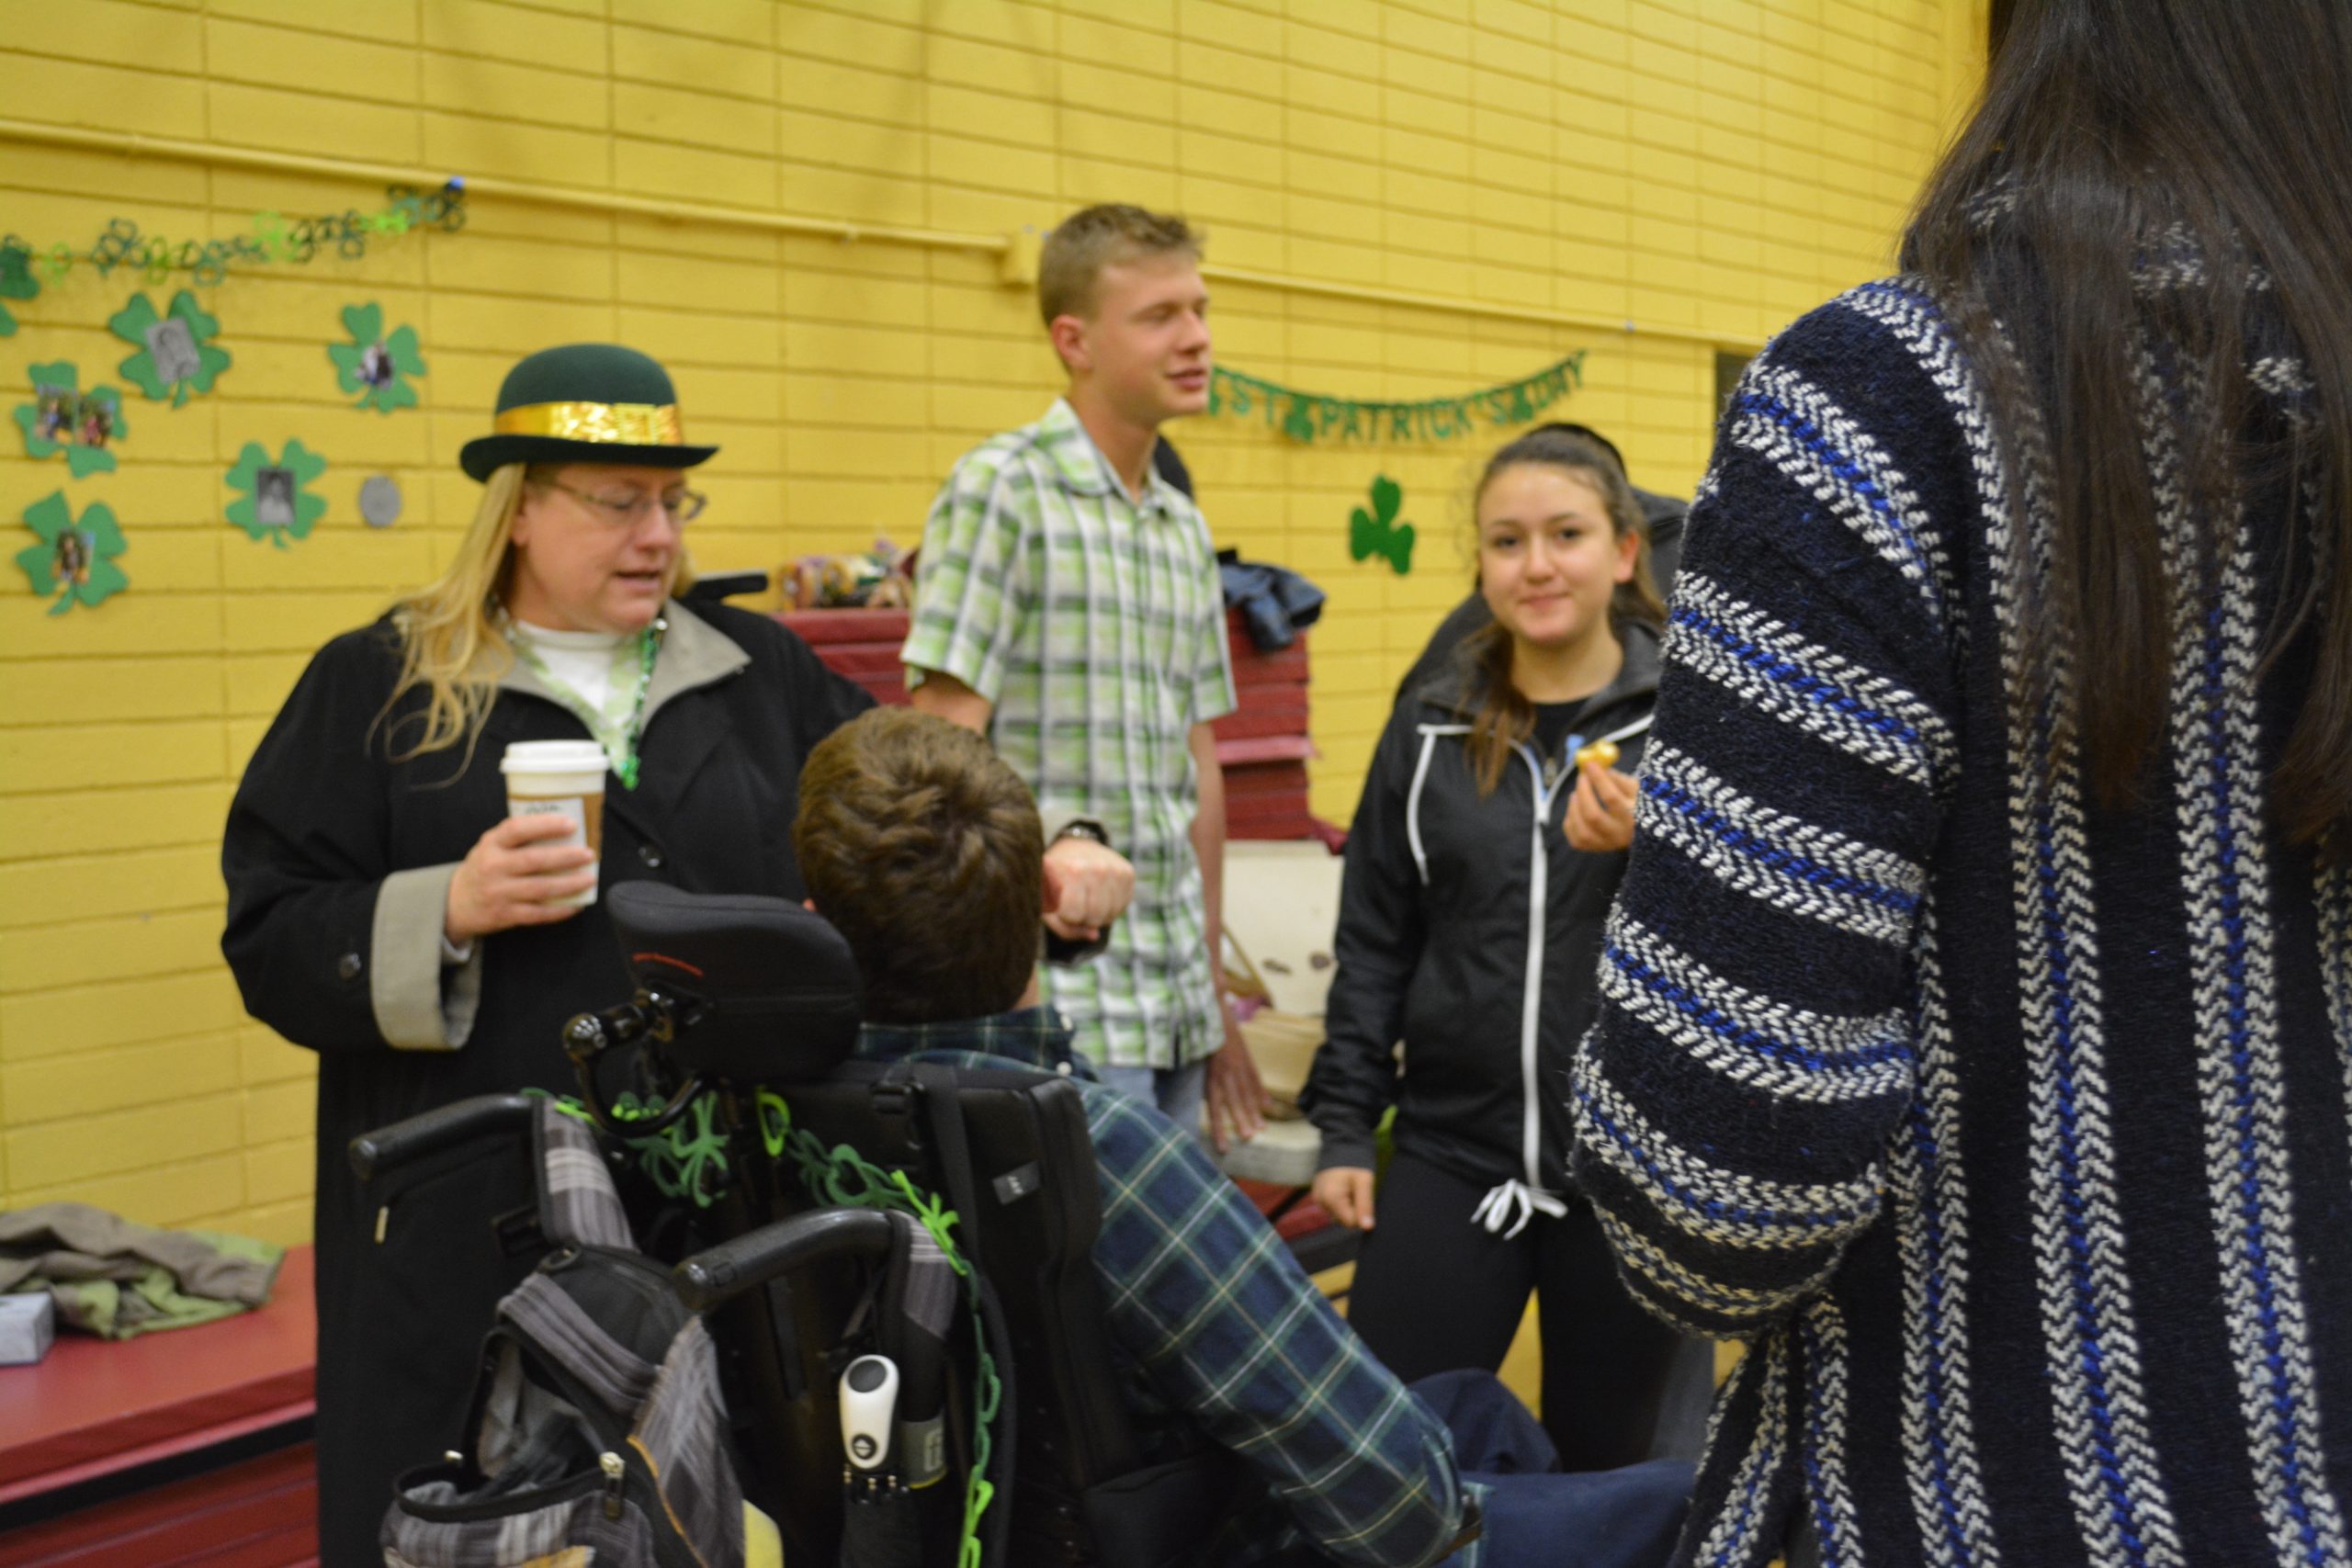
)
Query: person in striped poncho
[{"x": 1976, "y": 1036}]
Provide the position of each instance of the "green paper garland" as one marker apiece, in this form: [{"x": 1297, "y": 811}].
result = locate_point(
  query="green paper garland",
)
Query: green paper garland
[
  {"x": 193, "y": 364},
  {"x": 73, "y": 560},
  {"x": 274, "y": 238},
  {"x": 1308, "y": 417},
  {"x": 1378, "y": 532},
  {"x": 297, "y": 509},
  {"x": 375, "y": 365},
  {"x": 60, "y": 418}
]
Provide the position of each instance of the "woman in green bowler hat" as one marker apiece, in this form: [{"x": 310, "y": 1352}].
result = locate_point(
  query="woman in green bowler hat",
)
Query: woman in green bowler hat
[{"x": 387, "y": 911}]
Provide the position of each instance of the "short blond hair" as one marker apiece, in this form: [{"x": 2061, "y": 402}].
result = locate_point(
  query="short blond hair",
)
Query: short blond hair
[{"x": 1093, "y": 238}]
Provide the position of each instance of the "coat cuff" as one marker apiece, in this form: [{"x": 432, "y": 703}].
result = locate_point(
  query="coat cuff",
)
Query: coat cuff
[
  {"x": 422, "y": 1003},
  {"x": 1348, "y": 1150}
]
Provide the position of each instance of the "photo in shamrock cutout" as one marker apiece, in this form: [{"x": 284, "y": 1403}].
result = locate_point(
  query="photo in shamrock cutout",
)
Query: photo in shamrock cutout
[
  {"x": 173, "y": 358},
  {"x": 276, "y": 504},
  {"x": 1378, "y": 532},
  {"x": 73, "y": 560},
  {"x": 62, "y": 418},
  {"x": 17, "y": 279},
  {"x": 375, "y": 364}
]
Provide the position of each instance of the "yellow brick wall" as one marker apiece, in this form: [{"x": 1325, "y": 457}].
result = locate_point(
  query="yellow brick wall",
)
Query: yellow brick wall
[{"x": 1647, "y": 180}]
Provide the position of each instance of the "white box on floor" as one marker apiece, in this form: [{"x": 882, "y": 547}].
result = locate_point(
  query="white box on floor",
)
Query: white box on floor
[{"x": 28, "y": 1323}]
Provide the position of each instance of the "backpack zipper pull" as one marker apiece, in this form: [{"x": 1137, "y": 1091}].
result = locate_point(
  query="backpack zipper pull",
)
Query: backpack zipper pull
[{"x": 615, "y": 1474}]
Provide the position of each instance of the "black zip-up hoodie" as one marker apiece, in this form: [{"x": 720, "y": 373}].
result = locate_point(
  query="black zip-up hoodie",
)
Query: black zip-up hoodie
[{"x": 1435, "y": 946}]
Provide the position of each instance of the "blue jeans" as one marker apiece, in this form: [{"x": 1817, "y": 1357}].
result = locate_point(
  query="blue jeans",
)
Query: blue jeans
[
  {"x": 1535, "y": 1514},
  {"x": 1180, "y": 1093}
]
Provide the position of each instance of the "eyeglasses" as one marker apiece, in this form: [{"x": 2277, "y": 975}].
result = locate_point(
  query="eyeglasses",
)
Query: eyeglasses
[{"x": 683, "y": 505}]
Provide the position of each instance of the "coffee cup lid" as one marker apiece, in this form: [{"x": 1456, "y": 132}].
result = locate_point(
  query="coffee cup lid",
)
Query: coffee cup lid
[{"x": 552, "y": 757}]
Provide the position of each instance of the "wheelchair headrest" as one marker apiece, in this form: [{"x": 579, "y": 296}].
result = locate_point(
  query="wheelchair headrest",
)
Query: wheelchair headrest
[{"x": 774, "y": 991}]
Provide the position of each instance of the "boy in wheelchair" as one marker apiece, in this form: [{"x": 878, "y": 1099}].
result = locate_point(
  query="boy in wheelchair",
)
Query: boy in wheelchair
[{"x": 925, "y": 850}]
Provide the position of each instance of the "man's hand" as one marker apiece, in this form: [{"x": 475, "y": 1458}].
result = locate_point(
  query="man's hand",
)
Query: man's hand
[
  {"x": 1236, "y": 1096},
  {"x": 1097, "y": 883},
  {"x": 510, "y": 874},
  {"x": 1345, "y": 1192},
  {"x": 1601, "y": 812}
]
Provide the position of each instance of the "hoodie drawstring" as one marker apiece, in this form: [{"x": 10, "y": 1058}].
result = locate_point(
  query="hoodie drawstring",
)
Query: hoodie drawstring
[{"x": 1514, "y": 1203}]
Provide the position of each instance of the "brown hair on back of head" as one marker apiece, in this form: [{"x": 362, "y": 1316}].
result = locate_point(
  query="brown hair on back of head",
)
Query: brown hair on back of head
[
  {"x": 925, "y": 850},
  {"x": 1093, "y": 238}
]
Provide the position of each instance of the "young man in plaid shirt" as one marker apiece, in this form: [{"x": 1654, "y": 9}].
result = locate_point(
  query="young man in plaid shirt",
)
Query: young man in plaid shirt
[
  {"x": 924, "y": 849},
  {"x": 1067, "y": 607}
]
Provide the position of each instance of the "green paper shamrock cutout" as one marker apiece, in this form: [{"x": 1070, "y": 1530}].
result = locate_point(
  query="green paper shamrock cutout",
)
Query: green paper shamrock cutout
[
  {"x": 17, "y": 279},
  {"x": 375, "y": 365},
  {"x": 75, "y": 561},
  {"x": 172, "y": 358},
  {"x": 274, "y": 503},
  {"x": 1377, "y": 533},
  {"x": 80, "y": 424}
]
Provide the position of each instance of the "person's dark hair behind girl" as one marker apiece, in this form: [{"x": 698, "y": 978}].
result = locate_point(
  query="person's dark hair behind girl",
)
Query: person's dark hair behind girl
[
  {"x": 2164, "y": 178},
  {"x": 1505, "y": 718}
]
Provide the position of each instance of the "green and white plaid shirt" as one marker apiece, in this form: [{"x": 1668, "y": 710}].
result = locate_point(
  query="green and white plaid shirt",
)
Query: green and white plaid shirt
[{"x": 1095, "y": 626}]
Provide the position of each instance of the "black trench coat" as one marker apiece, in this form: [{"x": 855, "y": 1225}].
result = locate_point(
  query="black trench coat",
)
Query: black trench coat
[{"x": 337, "y": 860}]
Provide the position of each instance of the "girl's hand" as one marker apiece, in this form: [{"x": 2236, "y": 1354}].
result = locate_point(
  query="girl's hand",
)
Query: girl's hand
[
  {"x": 1601, "y": 812},
  {"x": 508, "y": 876},
  {"x": 1345, "y": 1192}
]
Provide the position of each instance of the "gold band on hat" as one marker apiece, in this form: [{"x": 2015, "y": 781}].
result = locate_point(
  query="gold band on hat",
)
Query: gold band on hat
[{"x": 620, "y": 424}]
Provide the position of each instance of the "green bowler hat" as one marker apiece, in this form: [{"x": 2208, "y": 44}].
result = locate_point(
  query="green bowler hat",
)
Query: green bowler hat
[{"x": 585, "y": 402}]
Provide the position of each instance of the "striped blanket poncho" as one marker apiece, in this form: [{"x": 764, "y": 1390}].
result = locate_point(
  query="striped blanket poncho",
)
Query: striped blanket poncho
[{"x": 2012, "y": 1131}]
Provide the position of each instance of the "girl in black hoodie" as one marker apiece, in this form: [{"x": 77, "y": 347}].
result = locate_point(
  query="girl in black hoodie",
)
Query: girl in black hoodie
[{"x": 1480, "y": 867}]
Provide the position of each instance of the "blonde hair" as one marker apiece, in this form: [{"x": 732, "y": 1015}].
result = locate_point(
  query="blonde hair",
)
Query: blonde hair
[
  {"x": 1074, "y": 254},
  {"x": 453, "y": 643}
]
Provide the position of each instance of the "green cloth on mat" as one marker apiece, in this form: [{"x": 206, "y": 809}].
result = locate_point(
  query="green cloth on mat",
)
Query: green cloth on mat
[{"x": 116, "y": 1280}]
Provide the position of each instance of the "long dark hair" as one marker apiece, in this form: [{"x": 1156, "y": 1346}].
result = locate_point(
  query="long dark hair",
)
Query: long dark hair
[
  {"x": 2163, "y": 178},
  {"x": 1504, "y": 716}
]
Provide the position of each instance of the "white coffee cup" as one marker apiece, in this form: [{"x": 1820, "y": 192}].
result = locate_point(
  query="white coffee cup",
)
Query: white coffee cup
[{"x": 563, "y": 778}]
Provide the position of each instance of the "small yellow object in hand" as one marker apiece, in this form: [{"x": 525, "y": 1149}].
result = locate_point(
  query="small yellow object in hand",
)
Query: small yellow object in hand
[{"x": 1602, "y": 751}]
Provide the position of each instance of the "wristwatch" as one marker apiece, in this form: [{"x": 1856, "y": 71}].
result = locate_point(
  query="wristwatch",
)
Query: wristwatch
[{"x": 1082, "y": 827}]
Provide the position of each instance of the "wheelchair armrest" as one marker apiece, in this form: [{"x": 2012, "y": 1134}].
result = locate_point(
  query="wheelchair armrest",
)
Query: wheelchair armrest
[
  {"x": 709, "y": 1278},
  {"x": 386, "y": 1149}
]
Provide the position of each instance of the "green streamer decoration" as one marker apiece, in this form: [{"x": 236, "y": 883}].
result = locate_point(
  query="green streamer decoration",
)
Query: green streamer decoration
[
  {"x": 63, "y": 418},
  {"x": 173, "y": 356},
  {"x": 1378, "y": 532},
  {"x": 374, "y": 363},
  {"x": 73, "y": 560},
  {"x": 1309, "y": 417},
  {"x": 272, "y": 238},
  {"x": 276, "y": 504}
]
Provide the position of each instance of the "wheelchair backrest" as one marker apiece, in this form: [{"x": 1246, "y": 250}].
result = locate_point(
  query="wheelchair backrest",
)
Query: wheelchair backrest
[
  {"x": 761, "y": 998},
  {"x": 1008, "y": 1151}
]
